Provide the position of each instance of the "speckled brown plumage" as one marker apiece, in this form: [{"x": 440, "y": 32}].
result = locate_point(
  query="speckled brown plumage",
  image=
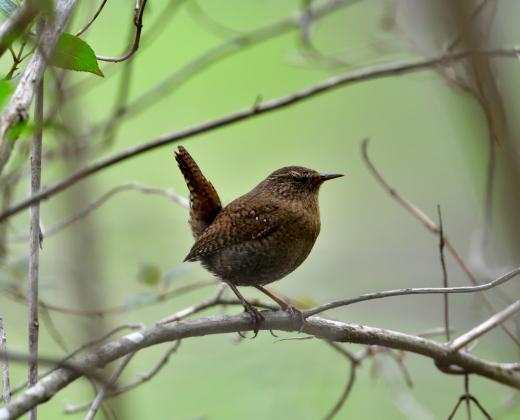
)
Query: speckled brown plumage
[{"x": 261, "y": 236}]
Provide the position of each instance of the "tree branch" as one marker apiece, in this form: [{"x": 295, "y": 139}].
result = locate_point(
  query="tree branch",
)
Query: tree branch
[
  {"x": 413, "y": 291},
  {"x": 138, "y": 22},
  {"x": 131, "y": 186},
  {"x": 487, "y": 325},
  {"x": 92, "y": 19},
  {"x": 35, "y": 236},
  {"x": 141, "y": 379},
  {"x": 430, "y": 225},
  {"x": 17, "y": 109},
  {"x": 13, "y": 27},
  {"x": 4, "y": 364},
  {"x": 279, "y": 320},
  {"x": 386, "y": 70}
]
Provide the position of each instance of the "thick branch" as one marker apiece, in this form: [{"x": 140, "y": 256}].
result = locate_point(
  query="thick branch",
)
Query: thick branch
[
  {"x": 13, "y": 27},
  {"x": 325, "y": 329}
]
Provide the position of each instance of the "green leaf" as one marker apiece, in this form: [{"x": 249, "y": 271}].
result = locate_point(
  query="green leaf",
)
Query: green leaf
[
  {"x": 73, "y": 53},
  {"x": 6, "y": 88},
  {"x": 149, "y": 274},
  {"x": 7, "y": 7}
]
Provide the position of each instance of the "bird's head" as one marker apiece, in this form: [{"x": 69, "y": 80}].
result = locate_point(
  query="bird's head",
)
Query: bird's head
[{"x": 296, "y": 181}]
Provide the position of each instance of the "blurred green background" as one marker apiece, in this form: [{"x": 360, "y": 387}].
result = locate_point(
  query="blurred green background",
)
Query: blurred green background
[{"x": 427, "y": 138}]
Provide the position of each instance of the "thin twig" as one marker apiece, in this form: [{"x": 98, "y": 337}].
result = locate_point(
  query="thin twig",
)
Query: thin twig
[
  {"x": 387, "y": 70},
  {"x": 204, "y": 19},
  {"x": 398, "y": 358},
  {"x": 190, "y": 310},
  {"x": 4, "y": 362},
  {"x": 141, "y": 379},
  {"x": 81, "y": 348},
  {"x": 467, "y": 394},
  {"x": 92, "y": 19},
  {"x": 344, "y": 352},
  {"x": 480, "y": 407},
  {"x": 430, "y": 225},
  {"x": 54, "y": 333},
  {"x": 444, "y": 275},
  {"x": 346, "y": 392},
  {"x": 460, "y": 36},
  {"x": 132, "y": 186},
  {"x": 454, "y": 410},
  {"x": 228, "y": 48},
  {"x": 412, "y": 291},
  {"x": 119, "y": 309},
  {"x": 103, "y": 391},
  {"x": 486, "y": 326},
  {"x": 138, "y": 22}
]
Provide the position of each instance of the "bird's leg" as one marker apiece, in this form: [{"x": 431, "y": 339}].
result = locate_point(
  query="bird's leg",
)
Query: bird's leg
[
  {"x": 256, "y": 316},
  {"x": 286, "y": 307}
]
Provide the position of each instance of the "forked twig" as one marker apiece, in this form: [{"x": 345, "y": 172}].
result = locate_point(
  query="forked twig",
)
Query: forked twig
[{"x": 432, "y": 227}]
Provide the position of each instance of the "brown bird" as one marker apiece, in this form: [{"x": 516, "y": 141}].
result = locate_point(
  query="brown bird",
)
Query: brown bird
[{"x": 261, "y": 236}]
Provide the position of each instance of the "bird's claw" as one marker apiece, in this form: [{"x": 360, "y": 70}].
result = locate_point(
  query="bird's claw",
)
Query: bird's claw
[
  {"x": 295, "y": 313},
  {"x": 256, "y": 318}
]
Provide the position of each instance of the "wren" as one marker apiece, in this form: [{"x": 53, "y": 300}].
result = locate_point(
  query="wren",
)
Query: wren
[{"x": 261, "y": 236}]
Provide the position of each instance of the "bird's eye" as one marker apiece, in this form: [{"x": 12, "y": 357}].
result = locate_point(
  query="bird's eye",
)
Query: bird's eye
[{"x": 299, "y": 177}]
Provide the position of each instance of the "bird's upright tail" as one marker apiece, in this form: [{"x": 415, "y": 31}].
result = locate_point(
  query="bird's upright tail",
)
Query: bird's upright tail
[{"x": 204, "y": 200}]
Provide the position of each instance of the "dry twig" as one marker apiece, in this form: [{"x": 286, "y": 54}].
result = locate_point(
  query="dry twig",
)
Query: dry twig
[{"x": 386, "y": 70}]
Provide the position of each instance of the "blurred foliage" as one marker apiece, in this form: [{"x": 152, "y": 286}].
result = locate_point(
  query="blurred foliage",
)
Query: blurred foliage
[{"x": 428, "y": 138}]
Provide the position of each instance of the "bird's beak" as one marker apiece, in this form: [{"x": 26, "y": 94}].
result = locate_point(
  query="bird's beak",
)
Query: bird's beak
[{"x": 326, "y": 177}]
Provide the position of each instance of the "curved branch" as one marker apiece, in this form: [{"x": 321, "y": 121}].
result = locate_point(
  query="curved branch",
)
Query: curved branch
[
  {"x": 413, "y": 291},
  {"x": 92, "y": 19},
  {"x": 442, "y": 354},
  {"x": 385, "y": 70},
  {"x": 138, "y": 22},
  {"x": 131, "y": 186}
]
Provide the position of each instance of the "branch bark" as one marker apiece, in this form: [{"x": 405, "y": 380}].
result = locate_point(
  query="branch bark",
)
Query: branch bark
[
  {"x": 4, "y": 364},
  {"x": 442, "y": 354},
  {"x": 35, "y": 242},
  {"x": 17, "y": 109},
  {"x": 13, "y": 27}
]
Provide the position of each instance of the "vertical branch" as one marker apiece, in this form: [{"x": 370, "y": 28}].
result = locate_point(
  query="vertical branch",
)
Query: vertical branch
[
  {"x": 6, "y": 386},
  {"x": 467, "y": 394},
  {"x": 444, "y": 275},
  {"x": 35, "y": 243}
]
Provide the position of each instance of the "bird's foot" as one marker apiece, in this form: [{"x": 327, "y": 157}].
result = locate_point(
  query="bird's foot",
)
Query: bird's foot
[
  {"x": 294, "y": 312},
  {"x": 256, "y": 318}
]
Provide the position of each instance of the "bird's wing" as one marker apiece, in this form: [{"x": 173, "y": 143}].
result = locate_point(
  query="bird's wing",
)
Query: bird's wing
[
  {"x": 239, "y": 223},
  {"x": 204, "y": 201}
]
